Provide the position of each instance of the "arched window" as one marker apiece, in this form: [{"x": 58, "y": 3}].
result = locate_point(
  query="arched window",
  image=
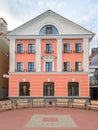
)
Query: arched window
[{"x": 48, "y": 29}]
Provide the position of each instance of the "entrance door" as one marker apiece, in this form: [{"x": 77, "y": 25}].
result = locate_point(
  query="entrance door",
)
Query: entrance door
[
  {"x": 73, "y": 89},
  {"x": 48, "y": 89}
]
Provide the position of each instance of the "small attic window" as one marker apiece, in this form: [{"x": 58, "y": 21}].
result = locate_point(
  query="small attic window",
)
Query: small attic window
[{"x": 48, "y": 29}]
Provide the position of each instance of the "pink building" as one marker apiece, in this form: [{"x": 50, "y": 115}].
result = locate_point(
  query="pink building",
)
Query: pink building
[{"x": 49, "y": 56}]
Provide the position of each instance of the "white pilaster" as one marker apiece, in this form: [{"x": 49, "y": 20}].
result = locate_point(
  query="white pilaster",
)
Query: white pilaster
[
  {"x": 38, "y": 55},
  {"x": 59, "y": 55},
  {"x": 12, "y": 55},
  {"x": 86, "y": 54}
]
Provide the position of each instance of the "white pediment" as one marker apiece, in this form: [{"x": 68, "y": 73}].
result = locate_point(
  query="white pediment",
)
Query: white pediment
[
  {"x": 48, "y": 58},
  {"x": 64, "y": 26}
]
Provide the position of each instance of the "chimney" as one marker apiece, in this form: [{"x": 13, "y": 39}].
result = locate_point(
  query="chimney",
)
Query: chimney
[{"x": 3, "y": 26}]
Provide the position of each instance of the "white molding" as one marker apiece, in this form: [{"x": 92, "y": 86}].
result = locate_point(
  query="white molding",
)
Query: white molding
[
  {"x": 63, "y": 73},
  {"x": 12, "y": 55},
  {"x": 48, "y": 58},
  {"x": 93, "y": 67},
  {"x": 93, "y": 86},
  {"x": 49, "y": 23},
  {"x": 38, "y": 55},
  {"x": 51, "y": 59},
  {"x": 44, "y": 65},
  {"x": 50, "y": 36},
  {"x": 59, "y": 55},
  {"x": 52, "y": 65},
  {"x": 86, "y": 54}
]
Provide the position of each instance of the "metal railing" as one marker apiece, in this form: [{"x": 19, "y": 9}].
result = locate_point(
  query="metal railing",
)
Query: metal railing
[{"x": 46, "y": 101}]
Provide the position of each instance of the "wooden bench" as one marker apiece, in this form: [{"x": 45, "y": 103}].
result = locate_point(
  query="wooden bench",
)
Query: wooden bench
[
  {"x": 38, "y": 102},
  {"x": 50, "y": 102},
  {"x": 93, "y": 105},
  {"x": 62, "y": 102},
  {"x": 5, "y": 105},
  {"x": 30, "y": 102},
  {"x": 19, "y": 103},
  {"x": 79, "y": 103}
]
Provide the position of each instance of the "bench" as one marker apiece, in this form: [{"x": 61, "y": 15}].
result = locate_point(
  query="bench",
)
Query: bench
[
  {"x": 93, "y": 105},
  {"x": 62, "y": 102},
  {"x": 38, "y": 103},
  {"x": 5, "y": 105},
  {"x": 50, "y": 102},
  {"x": 79, "y": 103},
  {"x": 30, "y": 102},
  {"x": 19, "y": 103}
]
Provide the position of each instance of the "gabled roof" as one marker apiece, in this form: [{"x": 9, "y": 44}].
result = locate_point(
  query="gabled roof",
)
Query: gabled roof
[{"x": 45, "y": 15}]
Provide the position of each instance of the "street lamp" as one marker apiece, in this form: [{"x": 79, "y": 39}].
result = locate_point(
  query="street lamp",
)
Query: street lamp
[{"x": 5, "y": 76}]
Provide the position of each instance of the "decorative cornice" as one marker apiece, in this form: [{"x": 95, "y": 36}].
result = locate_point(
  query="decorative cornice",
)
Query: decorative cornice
[
  {"x": 81, "y": 36},
  {"x": 63, "y": 73},
  {"x": 48, "y": 57}
]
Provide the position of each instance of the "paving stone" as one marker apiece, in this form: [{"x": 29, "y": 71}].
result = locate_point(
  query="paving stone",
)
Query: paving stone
[{"x": 63, "y": 121}]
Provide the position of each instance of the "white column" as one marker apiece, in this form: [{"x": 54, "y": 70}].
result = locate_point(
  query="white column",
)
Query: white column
[
  {"x": 12, "y": 55},
  {"x": 59, "y": 55},
  {"x": 38, "y": 55},
  {"x": 86, "y": 54}
]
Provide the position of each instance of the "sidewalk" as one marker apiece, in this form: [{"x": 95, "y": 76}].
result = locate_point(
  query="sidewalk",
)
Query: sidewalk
[{"x": 49, "y": 119}]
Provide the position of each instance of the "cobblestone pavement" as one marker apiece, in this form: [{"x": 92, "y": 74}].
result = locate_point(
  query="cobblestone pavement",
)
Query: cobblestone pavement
[{"x": 49, "y": 119}]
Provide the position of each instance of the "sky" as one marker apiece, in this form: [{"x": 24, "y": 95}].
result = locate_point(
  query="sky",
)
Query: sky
[{"x": 82, "y": 12}]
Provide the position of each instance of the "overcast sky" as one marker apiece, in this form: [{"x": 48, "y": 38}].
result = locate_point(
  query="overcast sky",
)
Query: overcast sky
[{"x": 82, "y": 12}]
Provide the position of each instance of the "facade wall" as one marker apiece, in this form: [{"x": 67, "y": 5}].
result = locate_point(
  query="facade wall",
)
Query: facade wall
[
  {"x": 60, "y": 83},
  {"x": 94, "y": 74},
  {"x": 72, "y": 57},
  {"x": 43, "y": 52},
  {"x": 25, "y": 57},
  {"x": 56, "y": 31},
  {"x": 60, "y": 79}
]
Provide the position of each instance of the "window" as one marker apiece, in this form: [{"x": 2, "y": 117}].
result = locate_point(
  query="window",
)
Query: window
[
  {"x": 48, "y": 89},
  {"x": 30, "y": 66},
  {"x": 19, "y": 48},
  {"x": 31, "y": 48},
  {"x": 48, "y": 66},
  {"x": 24, "y": 89},
  {"x": 96, "y": 70},
  {"x": 78, "y": 66},
  {"x": 48, "y": 29},
  {"x": 66, "y": 48},
  {"x": 73, "y": 89},
  {"x": 66, "y": 66},
  {"x": 78, "y": 48},
  {"x": 48, "y": 48},
  {"x": 19, "y": 66},
  {"x": 94, "y": 79}
]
